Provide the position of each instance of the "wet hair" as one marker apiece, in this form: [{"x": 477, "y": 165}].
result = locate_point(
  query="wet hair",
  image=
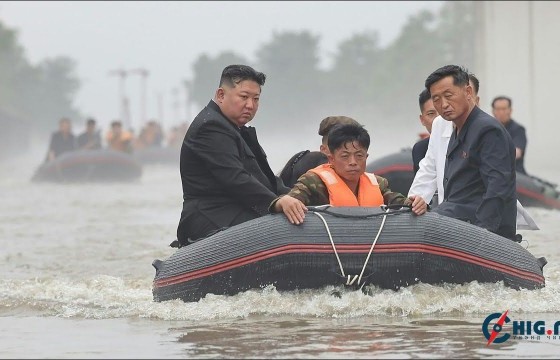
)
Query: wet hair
[
  {"x": 234, "y": 74},
  {"x": 501, "y": 98},
  {"x": 475, "y": 82},
  {"x": 422, "y": 98},
  {"x": 460, "y": 76},
  {"x": 342, "y": 134}
]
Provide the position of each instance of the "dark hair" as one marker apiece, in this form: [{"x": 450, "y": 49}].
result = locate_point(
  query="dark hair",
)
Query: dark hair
[
  {"x": 234, "y": 74},
  {"x": 90, "y": 121},
  {"x": 422, "y": 98},
  {"x": 476, "y": 83},
  {"x": 344, "y": 133},
  {"x": 501, "y": 98},
  {"x": 116, "y": 123},
  {"x": 327, "y": 123},
  {"x": 460, "y": 75}
]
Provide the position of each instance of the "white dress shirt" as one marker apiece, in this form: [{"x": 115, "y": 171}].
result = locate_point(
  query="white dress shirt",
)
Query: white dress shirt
[{"x": 429, "y": 177}]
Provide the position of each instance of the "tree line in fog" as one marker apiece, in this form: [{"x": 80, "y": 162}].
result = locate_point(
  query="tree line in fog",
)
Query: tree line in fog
[
  {"x": 364, "y": 80},
  {"x": 35, "y": 95}
]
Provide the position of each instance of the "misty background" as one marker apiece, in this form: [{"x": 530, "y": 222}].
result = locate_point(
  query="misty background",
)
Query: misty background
[{"x": 138, "y": 61}]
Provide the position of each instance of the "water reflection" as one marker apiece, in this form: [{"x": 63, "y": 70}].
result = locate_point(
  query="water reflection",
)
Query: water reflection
[{"x": 367, "y": 337}]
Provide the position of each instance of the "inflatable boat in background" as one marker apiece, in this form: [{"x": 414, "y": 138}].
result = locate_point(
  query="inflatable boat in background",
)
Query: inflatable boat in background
[
  {"x": 397, "y": 168},
  {"x": 89, "y": 165}
]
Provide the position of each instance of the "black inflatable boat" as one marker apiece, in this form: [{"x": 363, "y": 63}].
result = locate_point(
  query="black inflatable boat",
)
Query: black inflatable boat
[
  {"x": 89, "y": 165},
  {"x": 352, "y": 246}
]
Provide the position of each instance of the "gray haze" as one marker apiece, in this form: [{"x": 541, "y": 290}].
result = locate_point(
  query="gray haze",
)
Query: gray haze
[{"x": 166, "y": 37}]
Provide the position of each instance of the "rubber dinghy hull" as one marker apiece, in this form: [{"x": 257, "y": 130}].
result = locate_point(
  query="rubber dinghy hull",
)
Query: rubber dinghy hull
[
  {"x": 269, "y": 250},
  {"x": 90, "y": 165},
  {"x": 398, "y": 169}
]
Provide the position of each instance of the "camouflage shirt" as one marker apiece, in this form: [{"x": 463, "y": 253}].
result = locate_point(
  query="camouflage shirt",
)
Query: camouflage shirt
[{"x": 312, "y": 191}]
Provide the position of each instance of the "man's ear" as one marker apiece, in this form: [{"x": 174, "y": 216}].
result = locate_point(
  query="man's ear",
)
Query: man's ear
[
  {"x": 324, "y": 149},
  {"x": 470, "y": 92},
  {"x": 220, "y": 93},
  {"x": 330, "y": 157}
]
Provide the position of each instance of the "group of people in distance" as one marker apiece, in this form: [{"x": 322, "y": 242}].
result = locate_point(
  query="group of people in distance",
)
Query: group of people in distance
[
  {"x": 227, "y": 180},
  {"x": 117, "y": 138}
]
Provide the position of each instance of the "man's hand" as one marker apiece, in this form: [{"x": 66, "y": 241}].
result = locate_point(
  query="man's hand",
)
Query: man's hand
[
  {"x": 293, "y": 208},
  {"x": 419, "y": 206}
]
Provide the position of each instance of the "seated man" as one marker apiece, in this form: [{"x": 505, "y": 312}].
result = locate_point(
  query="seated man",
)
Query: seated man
[
  {"x": 429, "y": 178},
  {"x": 225, "y": 173},
  {"x": 90, "y": 138},
  {"x": 343, "y": 181},
  {"x": 305, "y": 160},
  {"x": 62, "y": 140},
  {"x": 479, "y": 177}
]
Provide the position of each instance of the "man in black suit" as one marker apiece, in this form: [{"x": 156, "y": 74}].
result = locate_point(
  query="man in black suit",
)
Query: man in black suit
[
  {"x": 501, "y": 109},
  {"x": 427, "y": 115},
  {"x": 479, "y": 176},
  {"x": 225, "y": 173}
]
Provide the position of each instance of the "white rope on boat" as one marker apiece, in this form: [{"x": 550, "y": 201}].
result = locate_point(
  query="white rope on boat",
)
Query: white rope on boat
[
  {"x": 332, "y": 242},
  {"x": 373, "y": 245},
  {"x": 350, "y": 280}
]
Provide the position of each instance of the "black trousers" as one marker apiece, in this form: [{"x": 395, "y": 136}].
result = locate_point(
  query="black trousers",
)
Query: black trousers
[{"x": 200, "y": 226}]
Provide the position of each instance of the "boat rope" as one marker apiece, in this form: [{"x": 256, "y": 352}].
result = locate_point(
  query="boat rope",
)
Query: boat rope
[
  {"x": 351, "y": 279},
  {"x": 332, "y": 242},
  {"x": 373, "y": 244}
]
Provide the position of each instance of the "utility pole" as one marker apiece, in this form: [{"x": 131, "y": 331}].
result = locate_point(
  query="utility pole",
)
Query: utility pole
[
  {"x": 176, "y": 104},
  {"x": 188, "y": 90},
  {"x": 143, "y": 74},
  {"x": 160, "y": 107},
  {"x": 123, "y": 101}
]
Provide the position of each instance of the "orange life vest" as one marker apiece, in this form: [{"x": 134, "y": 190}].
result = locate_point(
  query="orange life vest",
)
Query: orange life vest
[{"x": 341, "y": 195}]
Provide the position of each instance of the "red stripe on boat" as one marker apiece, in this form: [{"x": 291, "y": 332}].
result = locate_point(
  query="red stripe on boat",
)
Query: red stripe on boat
[{"x": 348, "y": 248}]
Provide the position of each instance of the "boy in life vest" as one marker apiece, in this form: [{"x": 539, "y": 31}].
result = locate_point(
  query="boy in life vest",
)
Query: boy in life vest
[
  {"x": 343, "y": 180},
  {"x": 119, "y": 139}
]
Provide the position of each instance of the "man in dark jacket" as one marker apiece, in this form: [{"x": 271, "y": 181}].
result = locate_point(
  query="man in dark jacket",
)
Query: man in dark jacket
[
  {"x": 306, "y": 160},
  {"x": 90, "y": 139},
  {"x": 427, "y": 115},
  {"x": 62, "y": 140},
  {"x": 479, "y": 175},
  {"x": 501, "y": 109},
  {"x": 225, "y": 173}
]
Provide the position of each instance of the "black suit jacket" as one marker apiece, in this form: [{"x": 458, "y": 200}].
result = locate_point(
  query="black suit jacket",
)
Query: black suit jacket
[
  {"x": 224, "y": 171},
  {"x": 419, "y": 152},
  {"x": 479, "y": 177}
]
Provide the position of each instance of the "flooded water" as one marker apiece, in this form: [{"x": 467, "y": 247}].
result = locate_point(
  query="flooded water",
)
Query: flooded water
[{"x": 77, "y": 277}]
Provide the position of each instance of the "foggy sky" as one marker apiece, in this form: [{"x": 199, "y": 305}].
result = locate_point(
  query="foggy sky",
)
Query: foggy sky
[{"x": 166, "y": 38}]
